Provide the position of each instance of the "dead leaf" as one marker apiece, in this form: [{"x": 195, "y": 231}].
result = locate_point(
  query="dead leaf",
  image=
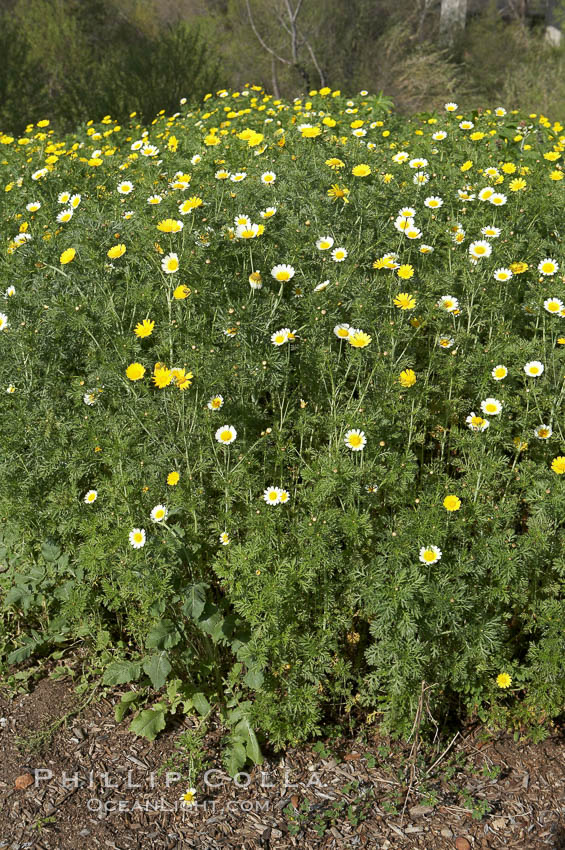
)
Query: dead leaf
[{"x": 23, "y": 781}]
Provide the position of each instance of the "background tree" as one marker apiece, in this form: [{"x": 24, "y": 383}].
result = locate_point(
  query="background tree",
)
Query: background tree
[{"x": 453, "y": 14}]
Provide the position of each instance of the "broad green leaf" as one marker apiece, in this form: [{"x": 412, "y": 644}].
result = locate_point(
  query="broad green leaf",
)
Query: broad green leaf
[
  {"x": 200, "y": 703},
  {"x": 236, "y": 758},
  {"x": 148, "y": 724},
  {"x": 251, "y": 743},
  {"x": 163, "y": 636},
  {"x": 254, "y": 679},
  {"x": 195, "y": 600},
  {"x": 20, "y": 654},
  {"x": 121, "y": 672},
  {"x": 157, "y": 668},
  {"x": 50, "y": 550}
]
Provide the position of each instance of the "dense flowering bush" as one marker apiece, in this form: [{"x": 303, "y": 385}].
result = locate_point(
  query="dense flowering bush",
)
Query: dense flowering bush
[{"x": 282, "y": 406}]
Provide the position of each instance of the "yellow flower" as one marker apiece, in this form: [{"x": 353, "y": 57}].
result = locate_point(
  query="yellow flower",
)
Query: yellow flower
[
  {"x": 466, "y": 165},
  {"x": 173, "y": 478},
  {"x": 169, "y": 225},
  {"x": 509, "y": 168},
  {"x": 191, "y": 204},
  {"x": 182, "y": 378},
  {"x": 517, "y": 185},
  {"x": 336, "y": 192},
  {"x": 117, "y": 251},
  {"x": 310, "y": 132},
  {"x": 404, "y": 301},
  {"x": 181, "y": 292},
  {"x": 503, "y": 680},
  {"x": 335, "y": 163},
  {"x": 135, "y": 371},
  {"x": 361, "y": 170},
  {"x": 162, "y": 376},
  {"x": 518, "y": 268},
  {"x": 407, "y": 378},
  {"x": 144, "y": 328},
  {"x": 521, "y": 445},
  {"x": 405, "y": 271},
  {"x": 359, "y": 339},
  {"x": 67, "y": 256},
  {"x": 451, "y": 503},
  {"x": 558, "y": 465}
]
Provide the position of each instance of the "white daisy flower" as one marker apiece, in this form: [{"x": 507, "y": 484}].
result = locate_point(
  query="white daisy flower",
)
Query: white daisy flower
[
  {"x": 479, "y": 249},
  {"x": 282, "y": 272},
  {"x": 543, "y": 432},
  {"x": 554, "y": 306},
  {"x": 90, "y": 497},
  {"x": 476, "y": 423},
  {"x": 324, "y": 243},
  {"x": 499, "y": 372},
  {"x": 226, "y": 434},
  {"x": 534, "y": 368},
  {"x": 448, "y": 303},
  {"x": 215, "y": 402},
  {"x": 280, "y": 337},
  {"x": 170, "y": 263},
  {"x": 492, "y": 406},
  {"x": 342, "y": 330},
  {"x": 137, "y": 537},
  {"x": 125, "y": 187},
  {"x": 548, "y": 266},
  {"x": 486, "y": 193},
  {"x": 272, "y": 495},
  {"x": 430, "y": 554},
  {"x": 339, "y": 255},
  {"x": 355, "y": 439},
  {"x": 159, "y": 513},
  {"x": 268, "y": 177},
  {"x": 502, "y": 274}
]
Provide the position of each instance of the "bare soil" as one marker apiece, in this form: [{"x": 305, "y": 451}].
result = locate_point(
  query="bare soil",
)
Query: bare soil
[{"x": 92, "y": 784}]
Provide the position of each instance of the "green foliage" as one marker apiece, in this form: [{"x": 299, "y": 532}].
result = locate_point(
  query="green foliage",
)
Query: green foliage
[
  {"x": 86, "y": 59},
  {"x": 283, "y": 616}
]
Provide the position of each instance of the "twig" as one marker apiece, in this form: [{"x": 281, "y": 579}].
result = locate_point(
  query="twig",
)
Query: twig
[{"x": 441, "y": 757}]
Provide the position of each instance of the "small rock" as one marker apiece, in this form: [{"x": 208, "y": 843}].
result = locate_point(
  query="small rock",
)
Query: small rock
[
  {"x": 419, "y": 811},
  {"x": 23, "y": 781},
  {"x": 462, "y": 843},
  {"x": 84, "y": 832},
  {"x": 294, "y": 800},
  {"x": 446, "y": 833}
]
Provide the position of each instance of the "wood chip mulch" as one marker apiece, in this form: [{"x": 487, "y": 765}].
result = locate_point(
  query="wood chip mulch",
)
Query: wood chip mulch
[{"x": 95, "y": 785}]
